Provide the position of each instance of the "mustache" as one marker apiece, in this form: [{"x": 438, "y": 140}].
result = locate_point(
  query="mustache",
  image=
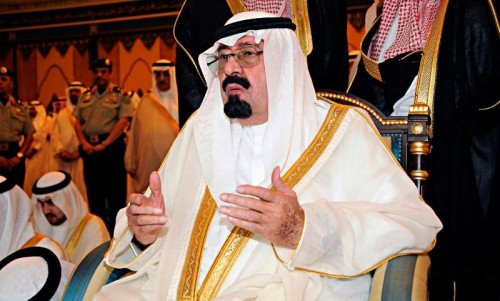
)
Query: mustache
[{"x": 235, "y": 80}]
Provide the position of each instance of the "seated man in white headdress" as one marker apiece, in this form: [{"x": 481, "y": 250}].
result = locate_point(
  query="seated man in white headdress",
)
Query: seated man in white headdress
[
  {"x": 16, "y": 229},
  {"x": 62, "y": 214},
  {"x": 33, "y": 273},
  {"x": 154, "y": 127},
  {"x": 64, "y": 140},
  {"x": 269, "y": 193}
]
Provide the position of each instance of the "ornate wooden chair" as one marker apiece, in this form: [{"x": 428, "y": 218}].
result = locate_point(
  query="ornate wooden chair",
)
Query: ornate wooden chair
[{"x": 405, "y": 277}]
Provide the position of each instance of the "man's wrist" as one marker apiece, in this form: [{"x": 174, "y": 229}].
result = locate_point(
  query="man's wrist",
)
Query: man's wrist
[{"x": 139, "y": 245}]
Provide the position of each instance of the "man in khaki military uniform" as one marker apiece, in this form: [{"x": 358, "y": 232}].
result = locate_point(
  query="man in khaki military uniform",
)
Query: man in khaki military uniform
[
  {"x": 102, "y": 114},
  {"x": 15, "y": 123}
]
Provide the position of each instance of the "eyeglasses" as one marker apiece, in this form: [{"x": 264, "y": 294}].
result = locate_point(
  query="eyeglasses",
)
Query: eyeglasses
[{"x": 246, "y": 57}]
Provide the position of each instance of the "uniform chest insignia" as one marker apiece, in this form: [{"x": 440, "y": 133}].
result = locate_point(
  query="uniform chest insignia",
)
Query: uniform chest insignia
[{"x": 126, "y": 99}]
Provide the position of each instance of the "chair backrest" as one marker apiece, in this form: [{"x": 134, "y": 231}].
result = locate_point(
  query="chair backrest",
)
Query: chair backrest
[
  {"x": 407, "y": 137},
  {"x": 403, "y": 277},
  {"x": 91, "y": 274}
]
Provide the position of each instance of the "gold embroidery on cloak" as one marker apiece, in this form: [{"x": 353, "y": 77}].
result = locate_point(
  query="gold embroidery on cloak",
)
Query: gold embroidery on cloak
[
  {"x": 33, "y": 241},
  {"x": 426, "y": 80},
  {"x": 190, "y": 272},
  {"x": 237, "y": 240},
  {"x": 75, "y": 237},
  {"x": 494, "y": 15},
  {"x": 184, "y": 48}
]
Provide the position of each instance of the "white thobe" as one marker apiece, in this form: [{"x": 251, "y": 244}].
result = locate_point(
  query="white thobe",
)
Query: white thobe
[
  {"x": 64, "y": 138},
  {"x": 360, "y": 209},
  {"x": 250, "y": 167}
]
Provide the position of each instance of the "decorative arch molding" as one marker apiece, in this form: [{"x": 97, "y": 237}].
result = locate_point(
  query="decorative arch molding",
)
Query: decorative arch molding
[
  {"x": 45, "y": 77},
  {"x": 132, "y": 66}
]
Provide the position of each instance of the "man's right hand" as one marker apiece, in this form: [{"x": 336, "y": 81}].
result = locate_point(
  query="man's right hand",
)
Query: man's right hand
[
  {"x": 88, "y": 148},
  {"x": 146, "y": 215}
]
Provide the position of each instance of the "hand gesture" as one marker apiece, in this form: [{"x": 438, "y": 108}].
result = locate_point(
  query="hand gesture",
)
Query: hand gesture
[
  {"x": 273, "y": 214},
  {"x": 146, "y": 215}
]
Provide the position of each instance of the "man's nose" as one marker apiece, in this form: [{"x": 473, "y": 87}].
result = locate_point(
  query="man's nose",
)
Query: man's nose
[
  {"x": 45, "y": 208},
  {"x": 232, "y": 67}
]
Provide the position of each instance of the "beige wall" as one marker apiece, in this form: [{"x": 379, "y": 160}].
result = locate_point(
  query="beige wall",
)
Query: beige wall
[
  {"x": 39, "y": 77},
  {"x": 54, "y": 72},
  {"x": 135, "y": 67}
]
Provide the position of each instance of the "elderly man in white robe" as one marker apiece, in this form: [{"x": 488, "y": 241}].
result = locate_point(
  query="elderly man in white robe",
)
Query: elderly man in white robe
[
  {"x": 267, "y": 193},
  {"x": 63, "y": 215},
  {"x": 16, "y": 229},
  {"x": 64, "y": 140},
  {"x": 154, "y": 127}
]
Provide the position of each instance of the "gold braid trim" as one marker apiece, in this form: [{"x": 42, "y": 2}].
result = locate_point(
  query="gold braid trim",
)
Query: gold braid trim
[
  {"x": 494, "y": 14},
  {"x": 75, "y": 237},
  {"x": 238, "y": 239},
  {"x": 227, "y": 257},
  {"x": 236, "y": 6},
  {"x": 189, "y": 276},
  {"x": 184, "y": 48},
  {"x": 300, "y": 16},
  {"x": 340, "y": 276},
  {"x": 37, "y": 237},
  {"x": 371, "y": 65},
  {"x": 332, "y": 96},
  {"x": 33, "y": 241},
  {"x": 426, "y": 82}
]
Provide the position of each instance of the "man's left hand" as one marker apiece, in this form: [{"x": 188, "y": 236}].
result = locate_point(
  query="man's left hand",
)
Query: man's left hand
[
  {"x": 99, "y": 147},
  {"x": 273, "y": 214}
]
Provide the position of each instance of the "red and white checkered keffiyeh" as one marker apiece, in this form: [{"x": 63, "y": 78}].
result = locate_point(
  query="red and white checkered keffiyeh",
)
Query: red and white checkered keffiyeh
[
  {"x": 281, "y": 8},
  {"x": 415, "y": 22}
]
